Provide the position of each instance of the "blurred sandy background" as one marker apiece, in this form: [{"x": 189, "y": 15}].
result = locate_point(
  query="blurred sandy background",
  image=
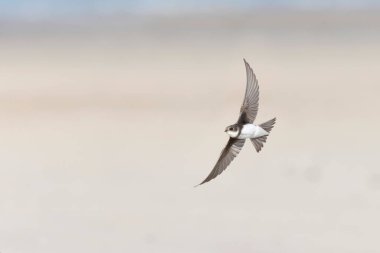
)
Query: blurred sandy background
[{"x": 109, "y": 120}]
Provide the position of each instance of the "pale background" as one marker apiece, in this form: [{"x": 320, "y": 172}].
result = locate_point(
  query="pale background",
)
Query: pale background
[{"x": 111, "y": 113}]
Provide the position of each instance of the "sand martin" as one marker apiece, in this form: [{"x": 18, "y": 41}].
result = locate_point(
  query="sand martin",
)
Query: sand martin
[{"x": 244, "y": 128}]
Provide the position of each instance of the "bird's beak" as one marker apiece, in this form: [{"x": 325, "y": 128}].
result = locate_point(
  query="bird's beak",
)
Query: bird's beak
[{"x": 225, "y": 130}]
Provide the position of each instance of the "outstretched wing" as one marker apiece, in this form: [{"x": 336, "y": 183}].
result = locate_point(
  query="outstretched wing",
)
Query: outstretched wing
[
  {"x": 228, "y": 154},
  {"x": 250, "y": 106}
]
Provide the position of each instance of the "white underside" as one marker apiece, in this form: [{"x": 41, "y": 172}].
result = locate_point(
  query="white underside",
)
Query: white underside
[{"x": 252, "y": 131}]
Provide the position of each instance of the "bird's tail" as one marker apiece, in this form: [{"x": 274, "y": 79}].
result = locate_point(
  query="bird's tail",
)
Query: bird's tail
[{"x": 259, "y": 142}]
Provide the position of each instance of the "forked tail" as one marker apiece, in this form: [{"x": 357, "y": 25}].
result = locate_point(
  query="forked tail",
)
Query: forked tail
[{"x": 259, "y": 142}]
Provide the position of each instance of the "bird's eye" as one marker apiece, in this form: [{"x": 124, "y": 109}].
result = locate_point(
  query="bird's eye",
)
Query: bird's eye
[{"x": 231, "y": 129}]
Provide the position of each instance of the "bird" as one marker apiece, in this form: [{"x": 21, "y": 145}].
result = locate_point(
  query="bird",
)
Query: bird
[{"x": 244, "y": 128}]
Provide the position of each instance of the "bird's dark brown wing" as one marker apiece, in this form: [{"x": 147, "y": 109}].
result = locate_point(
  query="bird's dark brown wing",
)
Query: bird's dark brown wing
[
  {"x": 250, "y": 106},
  {"x": 228, "y": 154}
]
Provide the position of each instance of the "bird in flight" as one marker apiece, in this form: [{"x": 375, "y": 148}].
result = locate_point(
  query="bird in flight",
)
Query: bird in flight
[{"x": 244, "y": 128}]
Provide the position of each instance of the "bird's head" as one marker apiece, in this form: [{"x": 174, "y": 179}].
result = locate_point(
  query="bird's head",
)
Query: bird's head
[{"x": 232, "y": 130}]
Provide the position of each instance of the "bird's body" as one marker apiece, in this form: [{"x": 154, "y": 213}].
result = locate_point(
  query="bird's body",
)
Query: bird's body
[
  {"x": 244, "y": 128},
  {"x": 247, "y": 131}
]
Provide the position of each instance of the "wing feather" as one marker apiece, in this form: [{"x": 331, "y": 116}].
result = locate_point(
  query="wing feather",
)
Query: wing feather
[
  {"x": 250, "y": 106},
  {"x": 228, "y": 154}
]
